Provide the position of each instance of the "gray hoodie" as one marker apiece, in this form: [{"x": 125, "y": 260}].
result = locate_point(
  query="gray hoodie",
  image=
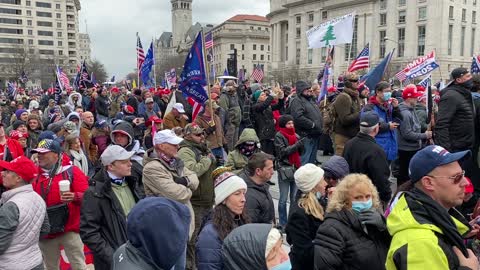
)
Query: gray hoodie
[{"x": 409, "y": 134}]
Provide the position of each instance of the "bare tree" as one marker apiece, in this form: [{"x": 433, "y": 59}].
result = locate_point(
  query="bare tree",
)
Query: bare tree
[{"x": 98, "y": 69}]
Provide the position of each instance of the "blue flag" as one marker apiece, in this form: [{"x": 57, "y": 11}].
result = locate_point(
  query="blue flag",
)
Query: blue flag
[
  {"x": 147, "y": 67},
  {"x": 375, "y": 75},
  {"x": 426, "y": 82},
  {"x": 193, "y": 79},
  {"x": 112, "y": 79},
  {"x": 324, "y": 87},
  {"x": 225, "y": 73},
  {"x": 93, "y": 79}
]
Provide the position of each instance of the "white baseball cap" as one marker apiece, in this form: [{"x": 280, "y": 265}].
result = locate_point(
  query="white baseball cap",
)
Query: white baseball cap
[
  {"x": 179, "y": 107},
  {"x": 166, "y": 136},
  {"x": 114, "y": 153}
]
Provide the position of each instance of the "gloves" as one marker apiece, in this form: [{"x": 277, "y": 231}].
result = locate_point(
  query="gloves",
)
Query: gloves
[
  {"x": 181, "y": 180},
  {"x": 372, "y": 217},
  {"x": 300, "y": 143}
]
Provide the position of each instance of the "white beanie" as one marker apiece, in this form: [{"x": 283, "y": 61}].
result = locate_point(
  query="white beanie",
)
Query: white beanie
[
  {"x": 226, "y": 184},
  {"x": 272, "y": 239},
  {"x": 307, "y": 177}
]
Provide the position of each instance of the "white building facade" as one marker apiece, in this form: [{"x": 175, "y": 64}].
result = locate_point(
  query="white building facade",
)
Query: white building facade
[
  {"x": 84, "y": 49},
  {"x": 413, "y": 27}
]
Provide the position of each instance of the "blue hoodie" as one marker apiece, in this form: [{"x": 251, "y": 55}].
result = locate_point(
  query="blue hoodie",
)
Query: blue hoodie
[{"x": 157, "y": 230}]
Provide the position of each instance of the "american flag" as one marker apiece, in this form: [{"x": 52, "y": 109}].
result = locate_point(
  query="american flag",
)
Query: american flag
[
  {"x": 475, "y": 65},
  {"x": 402, "y": 75},
  {"x": 140, "y": 54},
  {"x": 426, "y": 82},
  {"x": 257, "y": 74},
  {"x": 196, "y": 107},
  {"x": 208, "y": 40},
  {"x": 63, "y": 78},
  {"x": 362, "y": 61}
]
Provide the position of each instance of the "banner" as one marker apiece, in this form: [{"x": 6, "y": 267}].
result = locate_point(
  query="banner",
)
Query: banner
[
  {"x": 420, "y": 67},
  {"x": 333, "y": 32},
  {"x": 147, "y": 67}
]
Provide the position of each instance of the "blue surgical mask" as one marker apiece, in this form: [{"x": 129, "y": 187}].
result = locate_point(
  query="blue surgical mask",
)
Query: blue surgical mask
[
  {"x": 286, "y": 265},
  {"x": 359, "y": 206},
  {"x": 387, "y": 96}
]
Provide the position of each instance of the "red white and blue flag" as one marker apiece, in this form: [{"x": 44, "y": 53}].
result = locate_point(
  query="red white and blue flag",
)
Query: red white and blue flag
[
  {"x": 63, "y": 78},
  {"x": 420, "y": 67},
  {"x": 362, "y": 61},
  {"x": 208, "y": 40},
  {"x": 140, "y": 54},
  {"x": 257, "y": 74},
  {"x": 475, "y": 65}
]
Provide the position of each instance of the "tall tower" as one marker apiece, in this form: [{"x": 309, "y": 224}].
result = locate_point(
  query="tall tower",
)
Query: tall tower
[{"x": 181, "y": 19}]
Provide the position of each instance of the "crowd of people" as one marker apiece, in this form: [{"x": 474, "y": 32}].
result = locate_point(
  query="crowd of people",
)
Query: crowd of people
[{"x": 140, "y": 183}]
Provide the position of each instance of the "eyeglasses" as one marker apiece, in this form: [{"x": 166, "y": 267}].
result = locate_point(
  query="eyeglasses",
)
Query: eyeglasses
[
  {"x": 353, "y": 80},
  {"x": 456, "y": 178}
]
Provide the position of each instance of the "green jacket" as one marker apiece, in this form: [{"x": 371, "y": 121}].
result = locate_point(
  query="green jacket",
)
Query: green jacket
[
  {"x": 235, "y": 159},
  {"x": 195, "y": 157},
  {"x": 417, "y": 243},
  {"x": 347, "y": 112}
]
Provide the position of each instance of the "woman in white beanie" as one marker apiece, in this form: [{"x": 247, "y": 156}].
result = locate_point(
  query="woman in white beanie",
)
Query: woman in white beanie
[
  {"x": 306, "y": 215},
  {"x": 228, "y": 214}
]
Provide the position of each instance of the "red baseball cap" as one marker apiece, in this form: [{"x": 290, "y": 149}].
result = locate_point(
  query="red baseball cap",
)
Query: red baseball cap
[
  {"x": 153, "y": 119},
  {"x": 469, "y": 188},
  {"x": 115, "y": 90},
  {"x": 411, "y": 92},
  {"x": 23, "y": 166}
]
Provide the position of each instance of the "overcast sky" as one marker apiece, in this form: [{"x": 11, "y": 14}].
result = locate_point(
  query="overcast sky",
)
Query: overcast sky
[{"x": 112, "y": 25}]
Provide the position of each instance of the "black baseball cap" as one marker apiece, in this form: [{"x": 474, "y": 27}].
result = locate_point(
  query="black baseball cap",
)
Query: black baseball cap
[
  {"x": 369, "y": 119},
  {"x": 458, "y": 73}
]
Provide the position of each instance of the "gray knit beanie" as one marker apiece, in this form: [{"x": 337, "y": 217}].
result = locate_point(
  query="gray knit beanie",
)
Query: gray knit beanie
[{"x": 336, "y": 166}]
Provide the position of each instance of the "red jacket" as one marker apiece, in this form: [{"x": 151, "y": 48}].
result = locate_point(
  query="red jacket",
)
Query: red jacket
[{"x": 78, "y": 186}]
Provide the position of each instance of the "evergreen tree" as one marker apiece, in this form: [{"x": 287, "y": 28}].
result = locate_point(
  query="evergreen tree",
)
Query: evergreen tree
[{"x": 329, "y": 35}]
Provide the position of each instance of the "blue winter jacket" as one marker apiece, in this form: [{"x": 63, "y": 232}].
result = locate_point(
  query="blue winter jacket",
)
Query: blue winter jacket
[
  {"x": 386, "y": 137},
  {"x": 208, "y": 249}
]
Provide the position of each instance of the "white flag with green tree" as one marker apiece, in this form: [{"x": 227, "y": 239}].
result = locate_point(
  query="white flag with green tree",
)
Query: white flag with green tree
[{"x": 333, "y": 32}]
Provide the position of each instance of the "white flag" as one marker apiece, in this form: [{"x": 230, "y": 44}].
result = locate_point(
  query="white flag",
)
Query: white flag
[{"x": 333, "y": 32}]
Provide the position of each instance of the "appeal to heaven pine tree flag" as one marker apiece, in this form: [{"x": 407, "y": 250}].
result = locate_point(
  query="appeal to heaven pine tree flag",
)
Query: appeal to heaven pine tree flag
[{"x": 333, "y": 32}]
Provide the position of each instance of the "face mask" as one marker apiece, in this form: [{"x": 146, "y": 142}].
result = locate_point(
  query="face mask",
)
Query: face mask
[
  {"x": 468, "y": 84},
  {"x": 387, "y": 96},
  {"x": 286, "y": 265},
  {"x": 359, "y": 206},
  {"x": 318, "y": 195}
]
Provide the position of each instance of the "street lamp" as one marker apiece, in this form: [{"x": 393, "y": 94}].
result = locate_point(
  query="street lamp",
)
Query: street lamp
[{"x": 389, "y": 39}]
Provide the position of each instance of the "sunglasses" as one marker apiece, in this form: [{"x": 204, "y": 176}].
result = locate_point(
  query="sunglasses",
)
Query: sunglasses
[
  {"x": 353, "y": 80},
  {"x": 456, "y": 178}
]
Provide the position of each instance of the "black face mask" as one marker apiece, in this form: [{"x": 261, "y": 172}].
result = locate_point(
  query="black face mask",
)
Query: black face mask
[{"x": 468, "y": 84}]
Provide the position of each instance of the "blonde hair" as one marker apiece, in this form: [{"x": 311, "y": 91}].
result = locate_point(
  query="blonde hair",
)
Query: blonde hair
[
  {"x": 310, "y": 204},
  {"x": 341, "y": 196}
]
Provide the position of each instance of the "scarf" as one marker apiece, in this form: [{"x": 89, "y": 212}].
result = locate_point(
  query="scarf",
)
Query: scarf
[
  {"x": 289, "y": 134},
  {"x": 80, "y": 160}
]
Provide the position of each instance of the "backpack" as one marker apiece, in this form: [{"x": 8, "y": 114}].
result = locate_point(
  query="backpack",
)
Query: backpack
[{"x": 329, "y": 114}]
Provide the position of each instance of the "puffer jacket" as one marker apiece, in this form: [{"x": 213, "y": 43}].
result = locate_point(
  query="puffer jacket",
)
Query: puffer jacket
[
  {"x": 263, "y": 118},
  {"x": 409, "y": 132},
  {"x": 244, "y": 248},
  {"x": 208, "y": 249},
  {"x": 196, "y": 159},
  {"x": 306, "y": 116},
  {"x": 386, "y": 137},
  {"x": 259, "y": 203},
  {"x": 342, "y": 243},
  {"x": 235, "y": 159},
  {"x": 455, "y": 126},
  {"x": 229, "y": 102},
  {"x": 347, "y": 111},
  {"x": 160, "y": 180}
]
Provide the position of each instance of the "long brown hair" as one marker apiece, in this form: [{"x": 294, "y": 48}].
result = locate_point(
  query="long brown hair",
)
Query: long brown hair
[{"x": 225, "y": 221}]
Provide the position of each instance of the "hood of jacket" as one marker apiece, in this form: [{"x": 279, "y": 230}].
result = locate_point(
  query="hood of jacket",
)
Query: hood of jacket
[
  {"x": 158, "y": 228},
  {"x": 403, "y": 107},
  {"x": 244, "y": 247},
  {"x": 125, "y": 128},
  {"x": 351, "y": 92},
  {"x": 79, "y": 119},
  {"x": 248, "y": 134},
  {"x": 70, "y": 100},
  {"x": 420, "y": 107}
]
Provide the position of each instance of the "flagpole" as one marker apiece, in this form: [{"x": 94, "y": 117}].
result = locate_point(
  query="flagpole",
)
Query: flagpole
[
  {"x": 136, "y": 64},
  {"x": 154, "y": 69},
  {"x": 207, "y": 75}
]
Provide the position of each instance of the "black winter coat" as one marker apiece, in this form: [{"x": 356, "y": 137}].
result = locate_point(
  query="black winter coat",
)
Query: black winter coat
[
  {"x": 103, "y": 224},
  {"x": 364, "y": 155},
  {"x": 284, "y": 150},
  {"x": 301, "y": 230},
  {"x": 263, "y": 118},
  {"x": 455, "y": 126},
  {"x": 101, "y": 105},
  {"x": 259, "y": 203},
  {"x": 342, "y": 243},
  {"x": 307, "y": 116}
]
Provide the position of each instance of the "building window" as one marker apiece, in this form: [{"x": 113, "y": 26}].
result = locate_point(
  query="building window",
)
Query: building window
[
  {"x": 383, "y": 19},
  {"x": 30, "y": 32},
  {"x": 59, "y": 15},
  {"x": 243, "y": 47},
  {"x": 268, "y": 57},
  {"x": 60, "y": 43},
  {"x": 243, "y": 56},
  {"x": 268, "y": 48},
  {"x": 45, "y": 24},
  {"x": 45, "y": 33},
  {"x": 286, "y": 53},
  {"x": 310, "y": 56},
  {"x": 324, "y": 15},
  {"x": 402, "y": 15},
  {"x": 323, "y": 54},
  {"x": 43, "y": 4},
  {"x": 262, "y": 47},
  {"x": 474, "y": 2},
  {"x": 382, "y": 35},
  {"x": 383, "y": 4},
  {"x": 401, "y": 42},
  {"x": 259, "y": 28},
  {"x": 59, "y": 25},
  {"x": 44, "y": 14},
  {"x": 254, "y": 57},
  {"x": 59, "y": 34},
  {"x": 29, "y": 13},
  {"x": 450, "y": 12},
  {"x": 450, "y": 35},
  {"x": 45, "y": 42},
  {"x": 474, "y": 16},
  {"x": 254, "y": 47},
  {"x": 298, "y": 33},
  {"x": 232, "y": 46},
  {"x": 462, "y": 41},
  {"x": 262, "y": 57},
  {"x": 28, "y": 3},
  {"x": 422, "y": 13},
  {"x": 298, "y": 19},
  {"x": 472, "y": 42},
  {"x": 402, "y": 3},
  {"x": 351, "y": 53},
  {"x": 421, "y": 40},
  {"x": 29, "y": 22},
  {"x": 57, "y": 6},
  {"x": 464, "y": 15},
  {"x": 297, "y": 56},
  {"x": 310, "y": 17},
  {"x": 30, "y": 42}
]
